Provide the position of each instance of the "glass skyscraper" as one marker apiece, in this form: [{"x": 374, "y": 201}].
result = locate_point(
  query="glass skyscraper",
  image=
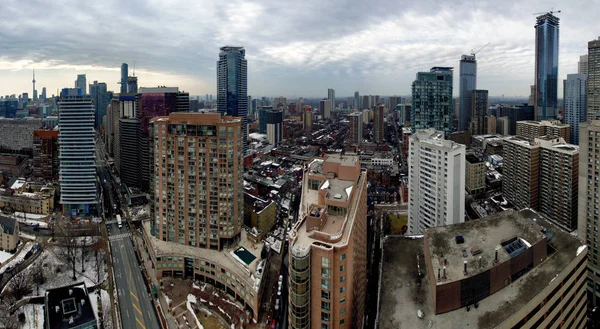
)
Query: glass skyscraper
[
  {"x": 124, "y": 72},
  {"x": 232, "y": 86},
  {"x": 546, "y": 67},
  {"x": 468, "y": 83},
  {"x": 432, "y": 100}
]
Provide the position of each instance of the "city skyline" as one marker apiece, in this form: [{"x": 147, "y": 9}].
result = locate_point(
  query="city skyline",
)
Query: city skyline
[{"x": 291, "y": 57}]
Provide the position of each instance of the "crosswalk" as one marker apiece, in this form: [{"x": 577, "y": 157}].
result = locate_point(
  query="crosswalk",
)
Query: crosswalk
[
  {"x": 119, "y": 236},
  {"x": 108, "y": 222}
]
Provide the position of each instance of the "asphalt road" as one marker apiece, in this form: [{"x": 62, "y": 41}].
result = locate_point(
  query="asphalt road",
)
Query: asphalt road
[{"x": 135, "y": 304}]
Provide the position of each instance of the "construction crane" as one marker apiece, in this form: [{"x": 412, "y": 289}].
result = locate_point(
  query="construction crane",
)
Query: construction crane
[
  {"x": 474, "y": 52},
  {"x": 551, "y": 12}
]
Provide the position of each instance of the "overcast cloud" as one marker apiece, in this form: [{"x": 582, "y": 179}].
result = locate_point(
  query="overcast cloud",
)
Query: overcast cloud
[{"x": 294, "y": 48}]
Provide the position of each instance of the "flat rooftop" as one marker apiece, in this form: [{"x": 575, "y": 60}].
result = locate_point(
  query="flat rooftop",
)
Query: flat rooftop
[
  {"x": 404, "y": 291},
  {"x": 234, "y": 259},
  {"x": 481, "y": 237}
]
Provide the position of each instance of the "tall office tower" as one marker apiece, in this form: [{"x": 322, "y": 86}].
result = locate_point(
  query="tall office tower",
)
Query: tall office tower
[
  {"x": 25, "y": 98},
  {"x": 355, "y": 130},
  {"x": 45, "y": 154},
  {"x": 325, "y": 108},
  {"x": 251, "y": 108},
  {"x": 124, "y": 75},
  {"x": 307, "y": 119},
  {"x": 232, "y": 86},
  {"x": 379, "y": 125},
  {"x": 531, "y": 101},
  {"x": 81, "y": 83},
  {"x": 34, "y": 90},
  {"x": 376, "y": 100},
  {"x": 109, "y": 128},
  {"x": 365, "y": 102},
  {"x": 132, "y": 85},
  {"x": 436, "y": 181},
  {"x": 521, "y": 172},
  {"x": 357, "y": 101},
  {"x": 559, "y": 164},
  {"x": 588, "y": 224},
  {"x": 575, "y": 104},
  {"x": 182, "y": 102},
  {"x": 331, "y": 98},
  {"x": 546, "y": 67},
  {"x": 43, "y": 96},
  {"x": 262, "y": 118},
  {"x": 593, "y": 80},
  {"x": 490, "y": 124},
  {"x": 328, "y": 247},
  {"x": 9, "y": 107},
  {"x": 201, "y": 136},
  {"x": 551, "y": 128},
  {"x": 153, "y": 102},
  {"x": 468, "y": 83},
  {"x": 582, "y": 65},
  {"x": 432, "y": 100},
  {"x": 503, "y": 126},
  {"x": 77, "y": 173},
  {"x": 130, "y": 132},
  {"x": 479, "y": 106},
  {"x": 100, "y": 98},
  {"x": 275, "y": 126}
]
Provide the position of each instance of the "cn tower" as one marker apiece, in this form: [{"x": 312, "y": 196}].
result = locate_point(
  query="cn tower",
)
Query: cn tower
[{"x": 33, "y": 81}]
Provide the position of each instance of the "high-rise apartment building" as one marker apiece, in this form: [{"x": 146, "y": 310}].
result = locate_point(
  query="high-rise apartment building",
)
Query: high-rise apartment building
[
  {"x": 546, "y": 67},
  {"x": 132, "y": 85},
  {"x": 575, "y": 103},
  {"x": 328, "y": 247},
  {"x": 582, "y": 65},
  {"x": 307, "y": 119},
  {"x": 274, "y": 126},
  {"x": 100, "y": 97},
  {"x": 130, "y": 132},
  {"x": 379, "y": 125},
  {"x": 325, "y": 108},
  {"x": 81, "y": 83},
  {"x": 77, "y": 153},
  {"x": 593, "y": 80},
  {"x": 331, "y": 98},
  {"x": 551, "y": 128},
  {"x": 588, "y": 220},
  {"x": 479, "y": 105},
  {"x": 232, "y": 86},
  {"x": 436, "y": 179},
  {"x": 45, "y": 154},
  {"x": 124, "y": 75},
  {"x": 355, "y": 129},
  {"x": 357, "y": 101},
  {"x": 468, "y": 83},
  {"x": 559, "y": 164},
  {"x": 432, "y": 100},
  {"x": 521, "y": 172},
  {"x": 16, "y": 135}
]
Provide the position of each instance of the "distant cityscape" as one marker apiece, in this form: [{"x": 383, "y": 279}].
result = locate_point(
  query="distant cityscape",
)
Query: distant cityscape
[{"x": 147, "y": 207}]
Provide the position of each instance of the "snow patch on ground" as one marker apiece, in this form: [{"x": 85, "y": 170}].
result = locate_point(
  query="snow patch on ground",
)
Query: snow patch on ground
[
  {"x": 27, "y": 236},
  {"x": 192, "y": 299},
  {"x": 19, "y": 257},
  {"x": 4, "y": 256},
  {"x": 19, "y": 214},
  {"x": 34, "y": 316}
]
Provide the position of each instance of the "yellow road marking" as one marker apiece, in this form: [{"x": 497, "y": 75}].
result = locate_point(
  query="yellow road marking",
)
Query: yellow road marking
[
  {"x": 134, "y": 296},
  {"x": 140, "y": 323},
  {"x": 137, "y": 309}
]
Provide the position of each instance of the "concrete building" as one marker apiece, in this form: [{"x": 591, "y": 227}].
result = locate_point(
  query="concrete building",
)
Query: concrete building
[
  {"x": 546, "y": 67},
  {"x": 521, "y": 170},
  {"x": 468, "y": 83},
  {"x": 9, "y": 233},
  {"x": 12, "y": 165},
  {"x": 69, "y": 307},
  {"x": 509, "y": 270},
  {"x": 593, "y": 80},
  {"x": 559, "y": 176},
  {"x": 503, "y": 126},
  {"x": 197, "y": 232},
  {"x": 259, "y": 214},
  {"x": 45, "y": 154},
  {"x": 325, "y": 108},
  {"x": 307, "y": 119},
  {"x": 551, "y": 128},
  {"x": 328, "y": 259},
  {"x": 366, "y": 116},
  {"x": 77, "y": 153},
  {"x": 22, "y": 200},
  {"x": 379, "y": 125},
  {"x": 479, "y": 106},
  {"x": 490, "y": 124},
  {"x": 582, "y": 65},
  {"x": 436, "y": 179},
  {"x": 432, "y": 100},
  {"x": 474, "y": 174},
  {"x": 274, "y": 126},
  {"x": 575, "y": 104},
  {"x": 331, "y": 99},
  {"x": 129, "y": 164},
  {"x": 588, "y": 223},
  {"x": 16, "y": 135},
  {"x": 355, "y": 129}
]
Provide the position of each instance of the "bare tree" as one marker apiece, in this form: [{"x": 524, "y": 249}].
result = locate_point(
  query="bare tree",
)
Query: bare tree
[
  {"x": 84, "y": 246},
  {"x": 19, "y": 285},
  {"x": 68, "y": 250},
  {"x": 7, "y": 320},
  {"x": 97, "y": 247},
  {"x": 37, "y": 274}
]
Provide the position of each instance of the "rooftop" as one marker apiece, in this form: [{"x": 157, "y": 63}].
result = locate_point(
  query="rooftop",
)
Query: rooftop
[
  {"x": 400, "y": 300},
  {"x": 69, "y": 307},
  {"x": 8, "y": 224}
]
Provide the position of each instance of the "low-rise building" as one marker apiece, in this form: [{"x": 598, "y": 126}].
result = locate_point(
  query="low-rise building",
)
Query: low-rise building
[
  {"x": 474, "y": 175},
  {"x": 23, "y": 198},
  {"x": 13, "y": 165},
  {"x": 9, "y": 233},
  {"x": 69, "y": 307},
  {"x": 259, "y": 214}
]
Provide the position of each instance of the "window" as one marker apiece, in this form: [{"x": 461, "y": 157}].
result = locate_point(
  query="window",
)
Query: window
[
  {"x": 342, "y": 268},
  {"x": 325, "y": 306},
  {"x": 342, "y": 300},
  {"x": 325, "y": 262},
  {"x": 325, "y": 284},
  {"x": 343, "y": 311},
  {"x": 324, "y": 294},
  {"x": 342, "y": 290},
  {"x": 325, "y": 272},
  {"x": 342, "y": 322},
  {"x": 342, "y": 278},
  {"x": 342, "y": 256}
]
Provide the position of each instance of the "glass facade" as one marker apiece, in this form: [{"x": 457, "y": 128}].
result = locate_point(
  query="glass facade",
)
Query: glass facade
[
  {"x": 468, "y": 83},
  {"x": 432, "y": 100},
  {"x": 232, "y": 85},
  {"x": 546, "y": 67}
]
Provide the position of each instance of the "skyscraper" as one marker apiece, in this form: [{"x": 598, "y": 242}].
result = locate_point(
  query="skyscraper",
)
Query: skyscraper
[
  {"x": 274, "y": 126},
  {"x": 436, "y": 181},
  {"x": 328, "y": 247},
  {"x": 546, "y": 67},
  {"x": 521, "y": 172},
  {"x": 77, "y": 153},
  {"x": 479, "y": 105},
  {"x": 379, "y": 125},
  {"x": 582, "y": 65},
  {"x": 468, "y": 83},
  {"x": 325, "y": 108},
  {"x": 232, "y": 86},
  {"x": 124, "y": 74},
  {"x": 43, "y": 94},
  {"x": 331, "y": 98},
  {"x": 355, "y": 128},
  {"x": 132, "y": 85},
  {"x": 432, "y": 100},
  {"x": 575, "y": 104},
  {"x": 81, "y": 83},
  {"x": 357, "y": 101},
  {"x": 307, "y": 119},
  {"x": 100, "y": 97},
  {"x": 593, "y": 80}
]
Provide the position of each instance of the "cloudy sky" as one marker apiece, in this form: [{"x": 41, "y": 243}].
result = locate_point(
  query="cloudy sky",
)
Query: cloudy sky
[{"x": 294, "y": 48}]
